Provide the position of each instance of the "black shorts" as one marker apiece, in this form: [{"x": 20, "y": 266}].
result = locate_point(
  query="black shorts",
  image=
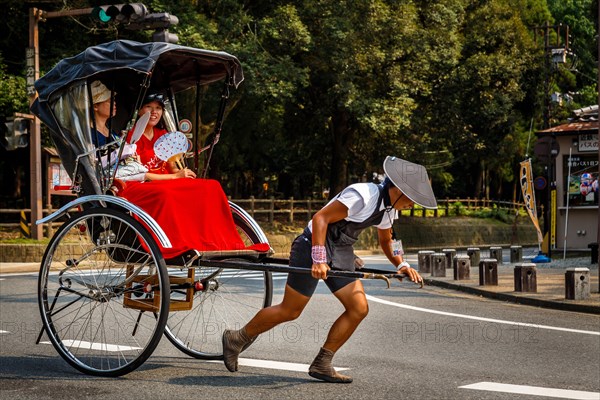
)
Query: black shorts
[{"x": 305, "y": 284}]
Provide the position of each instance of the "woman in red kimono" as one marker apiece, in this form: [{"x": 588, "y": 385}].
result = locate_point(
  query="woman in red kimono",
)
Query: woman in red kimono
[
  {"x": 157, "y": 168},
  {"x": 194, "y": 213}
]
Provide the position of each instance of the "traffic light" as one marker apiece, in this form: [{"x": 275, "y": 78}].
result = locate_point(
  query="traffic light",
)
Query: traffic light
[
  {"x": 99, "y": 13},
  {"x": 120, "y": 13},
  {"x": 163, "y": 35},
  {"x": 135, "y": 16},
  {"x": 160, "y": 22},
  {"x": 16, "y": 131}
]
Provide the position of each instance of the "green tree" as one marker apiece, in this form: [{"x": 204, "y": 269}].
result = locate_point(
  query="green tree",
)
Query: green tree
[
  {"x": 579, "y": 76},
  {"x": 438, "y": 44},
  {"x": 581, "y": 18},
  {"x": 334, "y": 86},
  {"x": 13, "y": 97},
  {"x": 267, "y": 41},
  {"x": 360, "y": 82},
  {"x": 480, "y": 95}
]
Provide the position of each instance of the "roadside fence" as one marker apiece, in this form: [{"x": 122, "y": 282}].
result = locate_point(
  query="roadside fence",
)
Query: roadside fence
[{"x": 301, "y": 210}]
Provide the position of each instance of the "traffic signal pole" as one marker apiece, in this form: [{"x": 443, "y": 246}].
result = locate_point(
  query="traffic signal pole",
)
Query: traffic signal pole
[
  {"x": 35, "y": 147},
  {"x": 35, "y": 140},
  {"x": 134, "y": 14}
]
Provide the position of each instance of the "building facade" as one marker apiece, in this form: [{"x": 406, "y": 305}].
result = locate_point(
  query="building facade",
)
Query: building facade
[{"x": 573, "y": 173}]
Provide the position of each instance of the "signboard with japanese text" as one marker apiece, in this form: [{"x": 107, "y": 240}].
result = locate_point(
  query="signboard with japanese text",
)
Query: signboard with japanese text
[
  {"x": 30, "y": 70},
  {"x": 588, "y": 142},
  {"x": 582, "y": 184},
  {"x": 59, "y": 178}
]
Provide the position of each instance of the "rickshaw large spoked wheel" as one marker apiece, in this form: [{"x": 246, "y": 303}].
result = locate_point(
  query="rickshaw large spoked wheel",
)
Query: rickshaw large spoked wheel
[
  {"x": 101, "y": 292},
  {"x": 228, "y": 299}
]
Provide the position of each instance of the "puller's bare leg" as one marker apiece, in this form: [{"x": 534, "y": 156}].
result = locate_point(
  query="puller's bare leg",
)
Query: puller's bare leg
[
  {"x": 234, "y": 342},
  {"x": 289, "y": 309},
  {"x": 356, "y": 307}
]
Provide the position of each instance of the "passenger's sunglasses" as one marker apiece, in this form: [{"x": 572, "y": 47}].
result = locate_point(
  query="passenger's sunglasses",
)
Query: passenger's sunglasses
[
  {"x": 155, "y": 97},
  {"x": 159, "y": 97}
]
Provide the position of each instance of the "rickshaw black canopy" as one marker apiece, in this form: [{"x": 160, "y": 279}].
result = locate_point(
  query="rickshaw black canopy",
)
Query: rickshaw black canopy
[
  {"x": 174, "y": 66},
  {"x": 130, "y": 69},
  {"x": 169, "y": 66}
]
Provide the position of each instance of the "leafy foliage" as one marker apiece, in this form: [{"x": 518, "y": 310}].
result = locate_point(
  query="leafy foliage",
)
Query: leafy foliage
[
  {"x": 12, "y": 90},
  {"x": 333, "y": 86}
]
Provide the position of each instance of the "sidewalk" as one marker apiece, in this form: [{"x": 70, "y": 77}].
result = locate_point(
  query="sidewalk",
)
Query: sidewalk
[
  {"x": 550, "y": 286},
  {"x": 19, "y": 267}
]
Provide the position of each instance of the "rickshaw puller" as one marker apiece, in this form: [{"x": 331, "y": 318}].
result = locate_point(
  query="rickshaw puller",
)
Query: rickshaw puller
[{"x": 327, "y": 243}]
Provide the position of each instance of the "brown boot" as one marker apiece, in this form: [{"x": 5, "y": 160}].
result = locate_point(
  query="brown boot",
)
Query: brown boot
[
  {"x": 234, "y": 342},
  {"x": 321, "y": 368}
]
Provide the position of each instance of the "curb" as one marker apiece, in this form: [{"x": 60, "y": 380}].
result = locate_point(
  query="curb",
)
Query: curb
[{"x": 557, "y": 305}]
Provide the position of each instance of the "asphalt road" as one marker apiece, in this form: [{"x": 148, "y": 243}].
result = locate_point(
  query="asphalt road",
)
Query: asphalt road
[{"x": 415, "y": 344}]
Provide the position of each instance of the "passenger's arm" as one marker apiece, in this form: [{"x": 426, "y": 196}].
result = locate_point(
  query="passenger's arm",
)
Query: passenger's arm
[{"x": 182, "y": 173}]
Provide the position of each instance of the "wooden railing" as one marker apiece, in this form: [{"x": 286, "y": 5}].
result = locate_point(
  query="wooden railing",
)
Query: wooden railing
[{"x": 291, "y": 210}]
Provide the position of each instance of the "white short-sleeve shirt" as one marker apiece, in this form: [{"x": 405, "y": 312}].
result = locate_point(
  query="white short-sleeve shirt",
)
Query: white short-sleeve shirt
[{"x": 361, "y": 200}]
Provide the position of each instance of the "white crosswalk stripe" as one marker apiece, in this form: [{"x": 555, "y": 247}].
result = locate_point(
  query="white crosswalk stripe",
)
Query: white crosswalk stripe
[
  {"x": 82, "y": 344},
  {"x": 497, "y": 321},
  {"x": 533, "y": 391}
]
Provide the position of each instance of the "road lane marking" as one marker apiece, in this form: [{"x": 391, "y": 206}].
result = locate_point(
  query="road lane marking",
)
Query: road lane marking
[
  {"x": 4, "y": 332},
  {"x": 533, "y": 391},
  {"x": 270, "y": 364},
  {"x": 498, "y": 321},
  {"x": 82, "y": 344},
  {"x": 248, "y": 362}
]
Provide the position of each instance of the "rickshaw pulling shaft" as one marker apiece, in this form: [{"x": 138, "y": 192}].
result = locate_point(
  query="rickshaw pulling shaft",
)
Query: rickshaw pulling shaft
[{"x": 259, "y": 266}]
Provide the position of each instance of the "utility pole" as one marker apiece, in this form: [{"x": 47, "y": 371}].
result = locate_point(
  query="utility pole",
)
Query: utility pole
[
  {"x": 554, "y": 54},
  {"x": 35, "y": 140},
  {"x": 134, "y": 14},
  {"x": 35, "y": 148}
]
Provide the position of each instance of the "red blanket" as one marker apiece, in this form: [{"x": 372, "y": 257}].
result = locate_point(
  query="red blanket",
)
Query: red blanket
[{"x": 194, "y": 213}]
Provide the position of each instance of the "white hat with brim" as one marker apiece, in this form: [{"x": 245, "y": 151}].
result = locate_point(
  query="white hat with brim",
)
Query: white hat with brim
[
  {"x": 411, "y": 179},
  {"x": 100, "y": 92}
]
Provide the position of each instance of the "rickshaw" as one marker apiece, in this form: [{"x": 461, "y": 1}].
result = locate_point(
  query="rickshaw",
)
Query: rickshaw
[{"x": 106, "y": 293}]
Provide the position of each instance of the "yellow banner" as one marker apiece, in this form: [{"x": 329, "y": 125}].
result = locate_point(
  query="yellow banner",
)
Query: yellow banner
[
  {"x": 553, "y": 218},
  {"x": 529, "y": 195}
]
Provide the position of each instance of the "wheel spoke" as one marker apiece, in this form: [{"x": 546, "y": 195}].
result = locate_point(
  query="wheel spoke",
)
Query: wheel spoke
[
  {"x": 89, "y": 309},
  {"x": 229, "y": 299}
]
